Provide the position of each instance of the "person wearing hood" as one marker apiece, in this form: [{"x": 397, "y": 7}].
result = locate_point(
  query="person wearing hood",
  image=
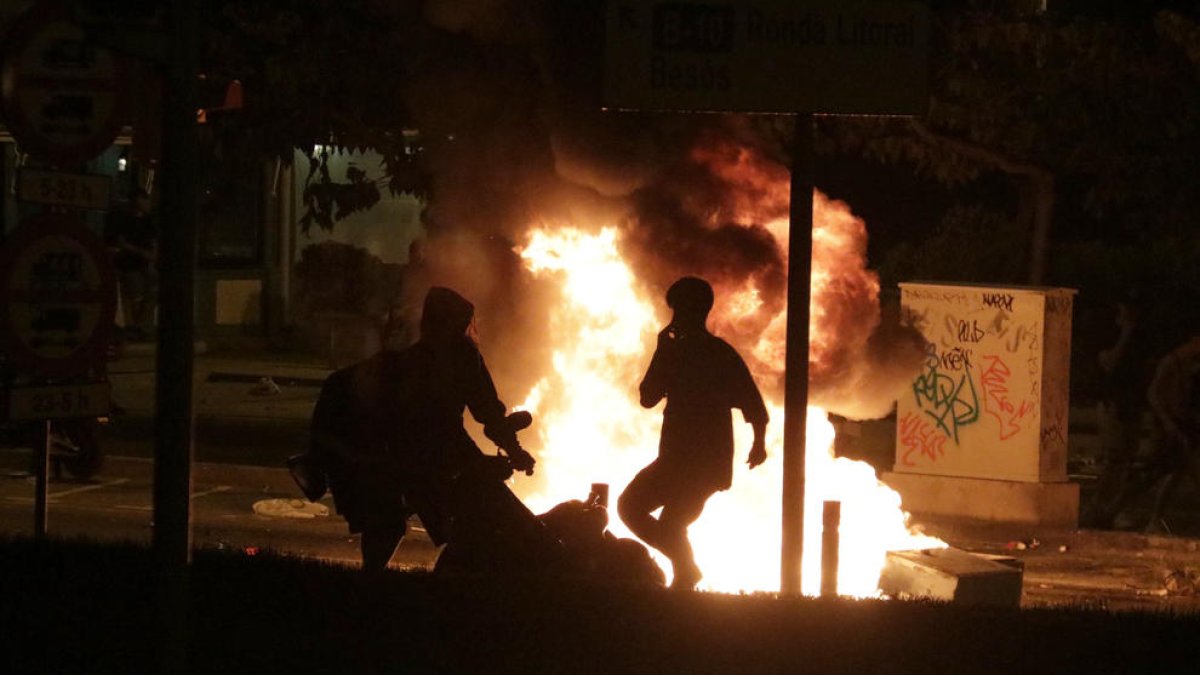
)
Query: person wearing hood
[{"x": 401, "y": 415}]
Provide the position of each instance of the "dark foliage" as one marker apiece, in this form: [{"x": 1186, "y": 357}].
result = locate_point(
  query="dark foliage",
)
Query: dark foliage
[{"x": 336, "y": 277}]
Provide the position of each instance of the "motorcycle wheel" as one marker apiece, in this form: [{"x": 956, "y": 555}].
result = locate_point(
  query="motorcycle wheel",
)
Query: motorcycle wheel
[{"x": 76, "y": 443}]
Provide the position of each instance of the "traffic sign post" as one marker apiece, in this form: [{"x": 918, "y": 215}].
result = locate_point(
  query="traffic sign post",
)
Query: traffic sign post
[
  {"x": 62, "y": 95},
  {"x": 59, "y": 297},
  {"x": 866, "y": 57},
  {"x": 41, "y": 489}
]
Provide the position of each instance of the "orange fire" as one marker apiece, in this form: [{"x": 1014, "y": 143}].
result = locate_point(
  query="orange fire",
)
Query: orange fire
[{"x": 590, "y": 427}]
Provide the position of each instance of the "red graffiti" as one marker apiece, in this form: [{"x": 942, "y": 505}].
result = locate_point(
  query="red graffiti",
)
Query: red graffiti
[
  {"x": 996, "y": 401},
  {"x": 918, "y": 436}
]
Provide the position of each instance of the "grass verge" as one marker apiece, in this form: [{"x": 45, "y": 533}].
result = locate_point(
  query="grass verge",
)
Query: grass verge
[{"x": 81, "y": 607}]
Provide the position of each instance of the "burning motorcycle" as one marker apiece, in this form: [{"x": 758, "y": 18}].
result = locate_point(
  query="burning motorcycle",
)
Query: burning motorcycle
[{"x": 493, "y": 533}]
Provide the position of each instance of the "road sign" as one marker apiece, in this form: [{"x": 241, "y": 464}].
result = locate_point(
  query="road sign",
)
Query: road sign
[
  {"x": 60, "y": 401},
  {"x": 59, "y": 188},
  {"x": 62, "y": 95},
  {"x": 781, "y": 56},
  {"x": 57, "y": 297}
]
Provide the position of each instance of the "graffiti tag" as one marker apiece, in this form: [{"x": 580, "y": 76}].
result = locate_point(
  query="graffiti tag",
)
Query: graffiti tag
[
  {"x": 950, "y": 400},
  {"x": 1026, "y": 334},
  {"x": 1053, "y": 434},
  {"x": 996, "y": 401},
  {"x": 954, "y": 359},
  {"x": 970, "y": 331},
  {"x": 918, "y": 437},
  {"x": 998, "y": 300}
]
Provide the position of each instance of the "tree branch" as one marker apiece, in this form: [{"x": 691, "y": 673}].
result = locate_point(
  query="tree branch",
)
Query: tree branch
[{"x": 979, "y": 153}]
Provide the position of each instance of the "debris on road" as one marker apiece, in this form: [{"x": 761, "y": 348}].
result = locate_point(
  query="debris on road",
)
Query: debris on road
[
  {"x": 290, "y": 508},
  {"x": 265, "y": 387},
  {"x": 1181, "y": 582},
  {"x": 1021, "y": 545}
]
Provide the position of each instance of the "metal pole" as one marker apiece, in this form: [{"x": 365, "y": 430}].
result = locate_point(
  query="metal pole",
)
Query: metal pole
[
  {"x": 173, "y": 384},
  {"x": 831, "y": 521},
  {"x": 795, "y": 402},
  {"x": 41, "y": 489}
]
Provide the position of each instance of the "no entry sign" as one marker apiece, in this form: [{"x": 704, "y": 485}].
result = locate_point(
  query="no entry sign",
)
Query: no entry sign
[
  {"x": 57, "y": 297},
  {"x": 62, "y": 94}
]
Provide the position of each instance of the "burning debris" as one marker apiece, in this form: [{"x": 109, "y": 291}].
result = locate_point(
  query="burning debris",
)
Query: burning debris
[{"x": 565, "y": 225}]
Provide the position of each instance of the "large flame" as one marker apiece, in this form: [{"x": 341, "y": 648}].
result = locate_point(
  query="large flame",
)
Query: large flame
[{"x": 591, "y": 429}]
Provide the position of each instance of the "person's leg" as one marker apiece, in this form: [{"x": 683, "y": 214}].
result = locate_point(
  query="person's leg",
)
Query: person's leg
[
  {"x": 130, "y": 296},
  {"x": 378, "y": 546},
  {"x": 1191, "y": 462},
  {"x": 149, "y": 302},
  {"x": 1118, "y": 443},
  {"x": 639, "y": 499},
  {"x": 677, "y": 516},
  {"x": 137, "y": 289},
  {"x": 1163, "y": 497}
]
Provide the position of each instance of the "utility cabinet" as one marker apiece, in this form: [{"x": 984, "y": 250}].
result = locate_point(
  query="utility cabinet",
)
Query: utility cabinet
[
  {"x": 992, "y": 397},
  {"x": 991, "y": 400}
]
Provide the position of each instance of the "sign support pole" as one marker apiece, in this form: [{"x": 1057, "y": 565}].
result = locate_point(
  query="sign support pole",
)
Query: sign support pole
[
  {"x": 174, "y": 415},
  {"x": 795, "y": 402},
  {"x": 41, "y": 489}
]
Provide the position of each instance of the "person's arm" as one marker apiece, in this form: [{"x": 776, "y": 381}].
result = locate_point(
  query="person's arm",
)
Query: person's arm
[
  {"x": 654, "y": 384},
  {"x": 149, "y": 253},
  {"x": 758, "y": 449},
  {"x": 749, "y": 400},
  {"x": 1161, "y": 395},
  {"x": 330, "y": 417},
  {"x": 486, "y": 407},
  {"x": 1109, "y": 358},
  {"x": 482, "y": 399}
]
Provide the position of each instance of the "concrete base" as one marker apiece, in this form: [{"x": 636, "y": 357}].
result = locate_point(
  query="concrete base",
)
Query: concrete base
[
  {"x": 1000, "y": 501},
  {"x": 954, "y": 576}
]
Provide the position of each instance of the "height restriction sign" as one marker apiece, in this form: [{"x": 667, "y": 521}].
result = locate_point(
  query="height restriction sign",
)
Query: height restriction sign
[
  {"x": 57, "y": 297},
  {"x": 62, "y": 94}
]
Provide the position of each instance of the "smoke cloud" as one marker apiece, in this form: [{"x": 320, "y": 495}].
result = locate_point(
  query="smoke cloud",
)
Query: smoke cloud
[{"x": 505, "y": 99}]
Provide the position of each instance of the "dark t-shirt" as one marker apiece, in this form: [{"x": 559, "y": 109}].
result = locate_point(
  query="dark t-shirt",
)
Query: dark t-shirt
[{"x": 703, "y": 378}]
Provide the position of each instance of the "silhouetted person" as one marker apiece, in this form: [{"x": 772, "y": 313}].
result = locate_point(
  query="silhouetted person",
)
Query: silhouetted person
[
  {"x": 1174, "y": 396},
  {"x": 443, "y": 375},
  {"x": 1125, "y": 369},
  {"x": 132, "y": 234},
  {"x": 394, "y": 426},
  {"x": 703, "y": 379},
  {"x": 351, "y": 437}
]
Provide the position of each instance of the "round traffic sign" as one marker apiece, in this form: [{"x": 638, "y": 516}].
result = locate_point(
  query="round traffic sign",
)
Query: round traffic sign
[
  {"x": 62, "y": 94},
  {"x": 57, "y": 297}
]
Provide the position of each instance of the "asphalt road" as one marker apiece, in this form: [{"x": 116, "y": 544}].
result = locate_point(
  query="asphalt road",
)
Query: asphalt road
[
  {"x": 118, "y": 505},
  {"x": 1109, "y": 570},
  {"x": 242, "y": 440}
]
